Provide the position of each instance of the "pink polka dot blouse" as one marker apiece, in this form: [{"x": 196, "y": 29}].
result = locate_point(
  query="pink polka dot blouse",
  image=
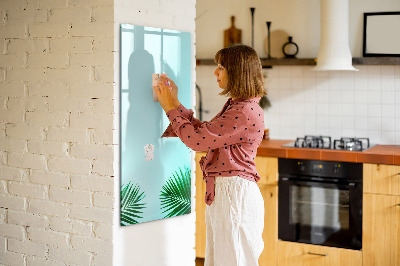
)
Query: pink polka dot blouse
[{"x": 231, "y": 139}]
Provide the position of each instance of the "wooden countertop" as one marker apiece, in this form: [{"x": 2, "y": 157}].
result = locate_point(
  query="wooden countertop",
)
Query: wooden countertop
[{"x": 379, "y": 154}]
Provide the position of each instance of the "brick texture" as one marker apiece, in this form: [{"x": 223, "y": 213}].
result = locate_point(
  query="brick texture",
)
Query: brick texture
[
  {"x": 53, "y": 100},
  {"x": 59, "y": 69}
]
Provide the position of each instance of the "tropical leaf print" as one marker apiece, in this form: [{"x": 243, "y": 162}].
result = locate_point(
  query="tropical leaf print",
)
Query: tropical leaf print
[
  {"x": 176, "y": 193},
  {"x": 131, "y": 208}
]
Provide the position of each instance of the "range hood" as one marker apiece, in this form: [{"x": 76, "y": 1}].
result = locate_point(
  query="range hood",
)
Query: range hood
[{"x": 334, "y": 51}]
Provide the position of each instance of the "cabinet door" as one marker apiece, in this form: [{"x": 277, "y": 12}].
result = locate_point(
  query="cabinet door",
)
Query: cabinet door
[
  {"x": 270, "y": 233},
  {"x": 381, "y": 179},
  {"x": 200, "y": 209},
  {"x": 297, "y": 254},
  {"x": 267, "y": 168},
  {"x": 381, "y": 230}
]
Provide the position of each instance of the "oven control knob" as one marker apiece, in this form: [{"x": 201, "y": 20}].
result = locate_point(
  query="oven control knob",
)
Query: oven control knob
[
  {"x": 336, "y": 169},
  {"x": 302, "y": 167}
]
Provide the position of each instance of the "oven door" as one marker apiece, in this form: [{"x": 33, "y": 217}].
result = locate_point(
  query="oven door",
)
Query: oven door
[{"x": 320, "y": 212}]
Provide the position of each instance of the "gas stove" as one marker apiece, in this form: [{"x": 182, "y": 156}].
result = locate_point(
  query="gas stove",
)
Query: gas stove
[{"x": 325, "y": 142}]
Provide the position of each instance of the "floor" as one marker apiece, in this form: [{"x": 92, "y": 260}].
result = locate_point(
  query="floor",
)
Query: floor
[{"x": 199, "y": 262}]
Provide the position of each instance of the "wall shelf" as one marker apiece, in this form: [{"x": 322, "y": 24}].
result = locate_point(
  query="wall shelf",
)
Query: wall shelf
[{"x": 312, "y": 61}]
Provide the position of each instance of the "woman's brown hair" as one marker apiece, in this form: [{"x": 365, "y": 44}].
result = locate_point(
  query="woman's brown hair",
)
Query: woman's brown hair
[{"x": 245, "y": 78}]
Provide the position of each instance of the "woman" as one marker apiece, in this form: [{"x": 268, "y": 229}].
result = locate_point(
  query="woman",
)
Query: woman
[{"x": 235, "y": 207}]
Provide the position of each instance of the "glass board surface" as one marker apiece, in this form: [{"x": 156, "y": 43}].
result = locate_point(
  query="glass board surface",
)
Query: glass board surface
[{"x": 155, "y": 171}]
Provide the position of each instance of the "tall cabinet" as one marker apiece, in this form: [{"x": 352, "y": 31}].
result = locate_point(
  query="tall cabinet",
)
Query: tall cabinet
[
  {"x": 381, "y": 215},
  {"x": 267, "y": 168}
]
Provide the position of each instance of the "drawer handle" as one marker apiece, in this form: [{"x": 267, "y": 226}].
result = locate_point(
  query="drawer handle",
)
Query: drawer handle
[{"x": 318, "y": 254}]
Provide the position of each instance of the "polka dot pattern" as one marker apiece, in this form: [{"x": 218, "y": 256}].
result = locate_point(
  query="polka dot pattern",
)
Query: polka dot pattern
[{"x": 231, "y": 139}]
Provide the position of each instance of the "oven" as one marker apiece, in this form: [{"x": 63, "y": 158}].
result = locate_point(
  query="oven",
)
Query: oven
[{"x": 320, "y": 202}]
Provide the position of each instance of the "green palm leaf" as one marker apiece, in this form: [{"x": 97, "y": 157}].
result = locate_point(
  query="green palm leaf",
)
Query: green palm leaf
[
  {"x": 176, "y": 194},
  {"x": 130, "y": 206}
]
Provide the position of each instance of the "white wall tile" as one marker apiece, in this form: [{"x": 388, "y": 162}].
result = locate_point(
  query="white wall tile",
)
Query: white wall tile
[
  {"x": 397, "y": 123},
  {"x": 388, "y": 124},
  {"x": 348, "y": 132},
  {"x": 388, "y": 110},
  {"x": 374, "y": 97},
  {"x": 374, "y": 123},
  {"x": 347, "y": 109},
  {"x": 348, "y": 122},
  {"x": 389, "y": 136},
  {"x": 348, "y": 95},
  {"x": 322, "y": 121},
  {"x": 397, "y": 72},
  {"x": 388, "y": 97},
  {"x": 374, "y": 83},
  {"x": 387, "y": 72},
  {"x": 361, "y": 110},
  {"x": 374, "y": 110},
  {"x": 361, "y": 123},
  {"x": 322, "y": 95},
  {"x": 310, "y": 109},
  {"x": 375, "y": 136},
  {"x": 322, "y": 109},
  {"x": 338, "y": 104},
  {"x": 388, "y": 84}
]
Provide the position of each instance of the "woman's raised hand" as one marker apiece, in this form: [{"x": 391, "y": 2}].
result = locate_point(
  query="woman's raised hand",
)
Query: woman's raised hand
[
  {"x": 164, "y": 94},
  {"x": 174, "y": 91}
]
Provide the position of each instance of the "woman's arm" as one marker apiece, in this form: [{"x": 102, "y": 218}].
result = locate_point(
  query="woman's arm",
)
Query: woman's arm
[
  {"x": 177, "y": 105},
  {"x": 188, "y": 114},
  {"x": 223, "y": 131}
]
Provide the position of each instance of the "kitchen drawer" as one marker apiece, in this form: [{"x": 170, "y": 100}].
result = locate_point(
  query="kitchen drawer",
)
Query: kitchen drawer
[
  {"x": 298, "y": 254},
  {"x": 381, "y": 179},
  {"x": 267, "y": 168}
]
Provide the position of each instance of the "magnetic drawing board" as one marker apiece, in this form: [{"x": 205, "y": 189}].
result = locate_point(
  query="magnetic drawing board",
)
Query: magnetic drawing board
[{"x": 155, "y": 172}]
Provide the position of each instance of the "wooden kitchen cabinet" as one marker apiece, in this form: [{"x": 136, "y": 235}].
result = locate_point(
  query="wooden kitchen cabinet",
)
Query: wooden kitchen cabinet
[
  {"x": 267, "y": 167},
  {"x": 381, "y": 215},
  {"x": 270, "y": 233},
  {"x": 298, "y": 254},
  {"x": 381, "y": 230},
  {"x": 381, "y": 179}
]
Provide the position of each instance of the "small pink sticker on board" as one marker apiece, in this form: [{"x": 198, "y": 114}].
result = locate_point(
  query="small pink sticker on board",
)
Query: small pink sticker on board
[{"x": 155, "y": 81}]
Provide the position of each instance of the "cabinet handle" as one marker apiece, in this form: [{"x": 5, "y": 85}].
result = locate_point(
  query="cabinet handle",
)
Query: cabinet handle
[
  {"x": 398, "y": 204},
  {"x": 318, "y": 254}
]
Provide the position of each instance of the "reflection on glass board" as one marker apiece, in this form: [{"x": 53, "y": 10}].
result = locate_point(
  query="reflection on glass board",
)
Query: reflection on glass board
[{"x": 155, "y": 172}]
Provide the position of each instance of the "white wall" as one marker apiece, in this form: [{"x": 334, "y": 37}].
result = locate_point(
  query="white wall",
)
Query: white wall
[
  {"x": 168, "y": 241},
  {"x": 337, "y": 104},
  {"x": 56, "y": 120}
]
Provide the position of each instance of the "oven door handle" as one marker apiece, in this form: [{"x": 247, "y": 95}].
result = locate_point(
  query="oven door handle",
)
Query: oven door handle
[{"x": 297, "y": 181}]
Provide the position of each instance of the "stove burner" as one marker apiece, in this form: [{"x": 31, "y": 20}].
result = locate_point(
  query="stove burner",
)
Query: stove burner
[
  {"x": 308, "y": 141},
  {"x": 351, "y": 144},
  {"x": 324, "y": 142}
]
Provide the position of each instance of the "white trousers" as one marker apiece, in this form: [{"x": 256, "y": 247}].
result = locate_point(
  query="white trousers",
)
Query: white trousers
[{"x": 234, "y": 223}]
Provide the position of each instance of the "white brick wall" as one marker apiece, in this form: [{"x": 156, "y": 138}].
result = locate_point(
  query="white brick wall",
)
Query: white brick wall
[{"x": 56, "y": 127}]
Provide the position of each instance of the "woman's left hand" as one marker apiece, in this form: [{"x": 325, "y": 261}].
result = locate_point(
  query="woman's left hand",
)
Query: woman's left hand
[{"x": 163, "y": 92}]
